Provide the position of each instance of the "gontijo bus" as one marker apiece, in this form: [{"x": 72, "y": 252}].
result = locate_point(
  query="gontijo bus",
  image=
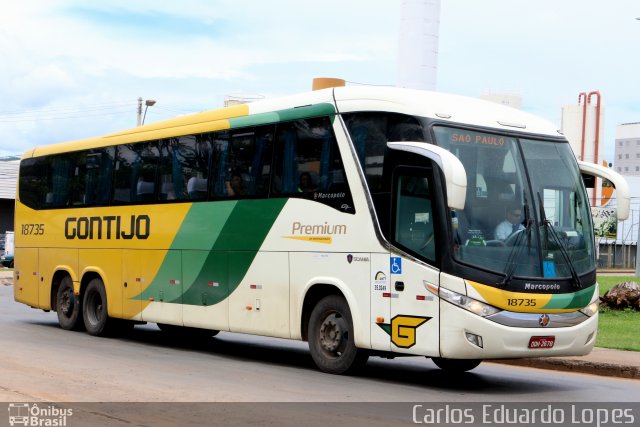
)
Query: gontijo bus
[{"x": 359, "y": 219}]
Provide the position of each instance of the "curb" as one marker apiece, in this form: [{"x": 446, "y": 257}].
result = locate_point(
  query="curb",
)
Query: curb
[{"x": 574, "y": 365}]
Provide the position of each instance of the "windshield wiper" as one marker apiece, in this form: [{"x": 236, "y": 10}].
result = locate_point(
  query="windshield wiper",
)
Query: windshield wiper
[
  {"x": 552, "y": 232},
  {"x": 515, "y": 252}
]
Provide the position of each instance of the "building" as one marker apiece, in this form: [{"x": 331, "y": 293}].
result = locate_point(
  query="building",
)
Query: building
[
  {"x": 8, "y": 179},
  {"x": 418, "y": 44},
  {"x": 583, "y": 125},
  {"x": 627, "y": 151}
]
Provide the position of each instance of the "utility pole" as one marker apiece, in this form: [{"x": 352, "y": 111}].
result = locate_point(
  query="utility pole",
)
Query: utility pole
[{"x": 139, "y": 115}]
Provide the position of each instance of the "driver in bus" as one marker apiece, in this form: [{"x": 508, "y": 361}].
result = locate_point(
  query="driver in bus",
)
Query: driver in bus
[{"x": 511, "y": 224}]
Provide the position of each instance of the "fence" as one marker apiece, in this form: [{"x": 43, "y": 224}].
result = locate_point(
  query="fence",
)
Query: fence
[{"x": 621, "y": 252}]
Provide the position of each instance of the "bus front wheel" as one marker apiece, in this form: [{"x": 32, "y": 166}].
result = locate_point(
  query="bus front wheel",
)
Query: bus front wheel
[
  {"x": 456, "y": 365},
  {"x": 331, "y": 337},
  {"x": 94, "y": 308},
  {"x": 68, "y": 306}
]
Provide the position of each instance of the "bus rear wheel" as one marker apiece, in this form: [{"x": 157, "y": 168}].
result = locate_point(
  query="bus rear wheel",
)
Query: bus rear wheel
[
  {"x": 68, "y": 306},
  {"x": 331, "y": 337},
  {"x": 456, "y": 365},
  {"x": 94, "y": 309}
]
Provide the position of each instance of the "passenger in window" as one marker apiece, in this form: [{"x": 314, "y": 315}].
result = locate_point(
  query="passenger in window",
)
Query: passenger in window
[
  {"x": 235, "y": 186},
  {"x": 306, "y": 184},
  {"x": 511, "y": 224}
]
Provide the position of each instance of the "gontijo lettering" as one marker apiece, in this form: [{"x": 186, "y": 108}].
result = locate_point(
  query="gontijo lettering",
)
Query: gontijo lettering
[{"x": 107, "y": 227}]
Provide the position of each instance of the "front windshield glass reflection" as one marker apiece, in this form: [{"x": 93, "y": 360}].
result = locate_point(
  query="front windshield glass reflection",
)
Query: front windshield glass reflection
[{"x": 534, "y": 225}]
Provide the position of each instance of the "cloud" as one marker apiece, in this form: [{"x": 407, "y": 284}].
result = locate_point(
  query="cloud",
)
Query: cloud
[{"x": 187, "y": 55}]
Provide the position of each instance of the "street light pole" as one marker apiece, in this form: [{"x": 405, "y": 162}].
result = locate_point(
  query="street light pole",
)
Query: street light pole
[
  {"x": 139, "y": 115},
  {"x": 148, "y": 103}
]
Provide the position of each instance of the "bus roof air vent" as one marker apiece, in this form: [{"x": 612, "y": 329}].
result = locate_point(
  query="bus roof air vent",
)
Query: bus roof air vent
[{"x": 512, "y": 125}]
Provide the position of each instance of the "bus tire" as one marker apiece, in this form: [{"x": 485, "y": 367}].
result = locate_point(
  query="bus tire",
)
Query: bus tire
[
  {"x": 94, "y": 309},
  {"x": 68, "y": 306},
  {"x": 456, "y": 365},
  {"x": 331, "y": 337}
]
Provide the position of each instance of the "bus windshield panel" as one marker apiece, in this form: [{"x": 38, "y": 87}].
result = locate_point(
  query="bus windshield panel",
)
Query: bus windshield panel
[{"x": 526, "y": 211}]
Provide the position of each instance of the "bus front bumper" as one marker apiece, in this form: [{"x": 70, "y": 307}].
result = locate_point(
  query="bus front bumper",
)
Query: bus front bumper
[{"x": 460, "y": 330}]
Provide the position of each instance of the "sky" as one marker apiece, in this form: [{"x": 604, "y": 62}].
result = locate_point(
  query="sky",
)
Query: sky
[{"x": 72, "y": 69}]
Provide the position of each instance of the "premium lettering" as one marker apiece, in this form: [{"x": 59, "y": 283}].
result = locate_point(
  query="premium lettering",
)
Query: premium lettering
[
  {"x": 302, "y": 229},
  {"x": 108, "y": 227}
]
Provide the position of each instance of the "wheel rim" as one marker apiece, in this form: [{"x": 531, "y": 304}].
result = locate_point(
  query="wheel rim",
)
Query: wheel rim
[
  {"x": 95, "y": 310},
  {"x": 67, "y": 302},
  {"x": 334, "y": 334}
]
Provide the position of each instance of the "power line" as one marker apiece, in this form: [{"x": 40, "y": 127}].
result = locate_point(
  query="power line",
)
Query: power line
[
  {"x": 78, "y": 114},
  {"x": 75, "y": 112},
  {"x": 174, "y": 110},
  {"x": 68, "y": 108}
]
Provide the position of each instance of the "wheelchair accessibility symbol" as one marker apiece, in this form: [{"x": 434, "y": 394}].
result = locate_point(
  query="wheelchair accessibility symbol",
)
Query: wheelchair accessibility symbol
[{"x": 396, "y": 265}]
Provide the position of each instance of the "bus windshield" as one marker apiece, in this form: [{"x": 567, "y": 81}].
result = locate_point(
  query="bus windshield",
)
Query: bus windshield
[{"x": 526, "y": 213}]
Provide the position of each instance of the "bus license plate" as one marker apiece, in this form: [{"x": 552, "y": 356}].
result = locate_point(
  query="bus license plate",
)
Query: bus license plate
[{"x": 542, "y": 342}]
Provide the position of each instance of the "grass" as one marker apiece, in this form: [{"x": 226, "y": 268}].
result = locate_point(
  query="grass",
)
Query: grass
[{"x": 618, "y": 329}]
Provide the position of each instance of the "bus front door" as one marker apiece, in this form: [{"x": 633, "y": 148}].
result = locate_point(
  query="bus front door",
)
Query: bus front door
[{"x": 414, "y": 319}]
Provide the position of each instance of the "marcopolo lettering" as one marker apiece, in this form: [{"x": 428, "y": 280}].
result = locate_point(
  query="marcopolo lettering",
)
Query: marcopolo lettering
[{"x": 108, "y": 227}]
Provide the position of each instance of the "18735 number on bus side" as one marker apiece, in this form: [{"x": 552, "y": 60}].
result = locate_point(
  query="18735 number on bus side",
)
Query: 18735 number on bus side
[{"x": 32, "y": 229}]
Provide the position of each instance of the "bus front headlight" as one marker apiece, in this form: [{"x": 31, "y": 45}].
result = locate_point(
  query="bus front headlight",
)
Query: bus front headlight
[
  {"x": 591, "y": 309},
  {"x": 477, "y": 307}
]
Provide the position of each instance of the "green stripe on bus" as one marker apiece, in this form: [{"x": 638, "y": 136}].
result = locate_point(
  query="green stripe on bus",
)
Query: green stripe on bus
[
  {"x": 200, "y": 229},
  {"x": 324, "y": 109},
  {"x": 241, "y": 238},
  {"x": 202, "y": 225},
  {"x": 226, "y": 245},
  {"x": 572, "y": 300}
]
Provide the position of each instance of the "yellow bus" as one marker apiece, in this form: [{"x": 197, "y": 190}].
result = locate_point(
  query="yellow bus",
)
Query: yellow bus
[{"x": 366, "y": 221}]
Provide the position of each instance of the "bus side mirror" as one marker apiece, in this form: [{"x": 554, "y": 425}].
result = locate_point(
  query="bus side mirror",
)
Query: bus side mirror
[
  {"x": 589, "y": 173},
  {"x": 453, "y": 170}
]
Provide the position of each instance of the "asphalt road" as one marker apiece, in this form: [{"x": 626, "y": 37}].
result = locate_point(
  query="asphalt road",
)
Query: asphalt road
[{"x": 39, "y": 362}]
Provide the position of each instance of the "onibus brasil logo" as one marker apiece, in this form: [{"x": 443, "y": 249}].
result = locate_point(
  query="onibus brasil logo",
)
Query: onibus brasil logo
[{"x": 26, "y": 414}]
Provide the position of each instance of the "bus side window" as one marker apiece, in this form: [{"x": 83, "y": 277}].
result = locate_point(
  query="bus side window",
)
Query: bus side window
[
  {"x": 370, "y": 132},
  {"x": 91, "y": 184},
  {"x": 219, "y": 154},
  {"x": 286, "y": 165},
  {"x": 307, "y": 162},
  {"x": 413, "y": 214},
  {"x": 241, "y": 162},
  {"x": 184, "y": 166},
  {"x": 148, "y": 165},
  {"x": 135, "y": 173},
  {"x": 35, "y": 182},
  {"x": 62, "y": 172}
]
